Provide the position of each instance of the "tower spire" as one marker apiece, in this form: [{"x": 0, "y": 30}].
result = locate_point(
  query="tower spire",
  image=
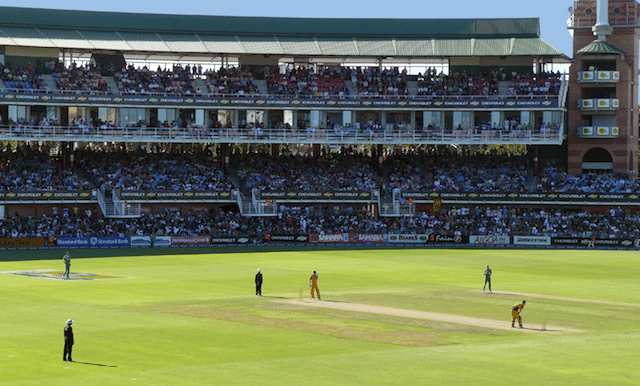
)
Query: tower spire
[{"x": 602, "y": 28}]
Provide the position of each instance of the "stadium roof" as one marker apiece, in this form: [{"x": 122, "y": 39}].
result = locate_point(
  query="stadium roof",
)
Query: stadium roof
[{"x": 197, "y": 35}]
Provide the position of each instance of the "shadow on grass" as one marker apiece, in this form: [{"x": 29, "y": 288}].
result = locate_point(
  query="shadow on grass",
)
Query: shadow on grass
[{"x": 95, "y": 364}]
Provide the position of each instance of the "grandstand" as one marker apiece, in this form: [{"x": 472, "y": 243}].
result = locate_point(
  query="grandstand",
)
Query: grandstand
[{"x": 237, "y": 127}]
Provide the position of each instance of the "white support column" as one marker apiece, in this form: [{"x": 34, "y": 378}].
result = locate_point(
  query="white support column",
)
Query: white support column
[
  {"x": 496, "y": 119},
  {"x": 346, "y": 118},
  {"x": 466, "y": 119},
  {"x": 288, "y": 116},
  {"x": 457, "y": 119},
  {"x": 12, "y": 112},
  {"x": 200, "y": 117},
  {"x": 427, "y": 118},
  {"x": 383, "y": 118},
  {"x": 547, "y": 118},
  {"x": 23, "y": 112},
  {"x": 170, "y": 115},
  {"x": 233, "y": 114},
  {"x": 314, "y": 118},
  {"x": 103, "y": 114},
  {"x": 525, "y": 118},
  {"x": 162, "y": 116}
]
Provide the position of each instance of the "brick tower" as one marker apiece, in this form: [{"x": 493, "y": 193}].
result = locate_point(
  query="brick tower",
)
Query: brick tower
[{"x": 602, "y": 129}]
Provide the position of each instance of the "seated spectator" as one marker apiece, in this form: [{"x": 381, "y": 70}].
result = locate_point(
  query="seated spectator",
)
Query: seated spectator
[
  {"x": 231, "y": 81},
  {"x": 152, "y": 171},
  {"x": 333, "y": 171}
]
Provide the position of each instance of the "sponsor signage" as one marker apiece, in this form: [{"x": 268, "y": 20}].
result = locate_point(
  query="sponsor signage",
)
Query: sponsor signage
[
  {"x": 547, "y": 198},
  {"x": 330, "y": 238},
  {"x": 74, "y": 195},
  {"x": 409, "y": 239},
  {"x": 25, "y": 242},
  {"x": 489, "y": 240},
  {"x": 93, "y": 242},
  {"x": 145, "y": 241},
  {"x": 584, "y": 242},
  {"x": 367, "y": 238},
  {"x": 178, "y": 195},
  {"x": 315, "y": 196},
  {"x": 568, "y": 241},
  {"x": 448, "y": 239},
  {"x": 439, "y": 103},
  {"x": 190, "y": 240},
  {"x": 531, "y": 240},
  {"x": 224, "y": 240},
  {"x": 288, "y": 238}
]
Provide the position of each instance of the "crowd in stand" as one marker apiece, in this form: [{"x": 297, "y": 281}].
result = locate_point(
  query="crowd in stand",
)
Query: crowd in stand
[
  {"x": 145, "y": 170},
  {"x": 28, "y": 169},
  {"x": 554, "y": 180},
  {"x": 143, "y": 81},
  {"x": 374, "y": 82},
  {"x": 486, "y": 83},
  {"x": 303, "y": 81},
  {"x": 295, "y": 81},
  {"x": 82, "y": 79},
  {"x": 545, "y": 83},
  {"x": 329, "y": 219},
  {"x": 457, "y": 84},
  {"x": 232, "y": 81},
  {"x": 437, "y": 172},
  {"x": 21, "y": 78},
  {"x": 336, "y": 171}
]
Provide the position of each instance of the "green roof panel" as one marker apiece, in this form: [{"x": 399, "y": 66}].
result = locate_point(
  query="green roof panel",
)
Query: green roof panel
[
  {"x": 70, "y": 19},
  {"x": 599, "y": 47},
  {"x": 26, "y": 37},
  {"x": 294, "y": 46}
]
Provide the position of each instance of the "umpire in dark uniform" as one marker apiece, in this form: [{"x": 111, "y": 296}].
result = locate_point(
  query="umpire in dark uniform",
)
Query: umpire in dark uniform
[
  {"x": 259, "y": 282},
  {"x": 68, "y": 341}
]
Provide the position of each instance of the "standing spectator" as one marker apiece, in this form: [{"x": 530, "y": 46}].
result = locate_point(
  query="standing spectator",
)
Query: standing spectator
[
  {"x": 259, "y": 282},
  {"x": 67, "y": 264},
  {"x": 313, "y": 283},
  {"x": 487, "y": 278},
  {"x": 68, "y": 341}
]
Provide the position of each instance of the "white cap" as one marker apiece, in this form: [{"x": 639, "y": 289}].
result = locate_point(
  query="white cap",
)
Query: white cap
[
  {"x": 259, "y": 270},
  {"x": 69, "y": 321}
]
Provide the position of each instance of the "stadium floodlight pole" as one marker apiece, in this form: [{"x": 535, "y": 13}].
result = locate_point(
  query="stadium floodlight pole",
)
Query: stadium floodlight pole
[{"x": 602, "y": 27}]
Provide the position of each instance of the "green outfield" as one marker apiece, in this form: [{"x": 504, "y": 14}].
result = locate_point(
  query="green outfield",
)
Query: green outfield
[{"x": 168, "y": 317}]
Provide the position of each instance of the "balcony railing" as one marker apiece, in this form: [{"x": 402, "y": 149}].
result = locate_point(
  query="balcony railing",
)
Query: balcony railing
[
  {"x": 604, "y": 104},
  {"x": 598, "y": 131},
  {"x": 598, "y": 76},
  {"x": 552, "y": 136}
]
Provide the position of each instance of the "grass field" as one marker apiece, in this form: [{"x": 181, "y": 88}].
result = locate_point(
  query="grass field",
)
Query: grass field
[{"x": 193, "y": 319}]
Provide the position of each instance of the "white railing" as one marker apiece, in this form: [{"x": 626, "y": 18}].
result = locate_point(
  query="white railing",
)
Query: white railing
[
  {"x": 256, "y": 207},
  {"x": 114, "y": 207},
  {"x": 311, "y": 135},
  {"x": 101, "y": 201},
  {"x": 397, "y": 207},
  {"x": 124, "y": 209}
]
